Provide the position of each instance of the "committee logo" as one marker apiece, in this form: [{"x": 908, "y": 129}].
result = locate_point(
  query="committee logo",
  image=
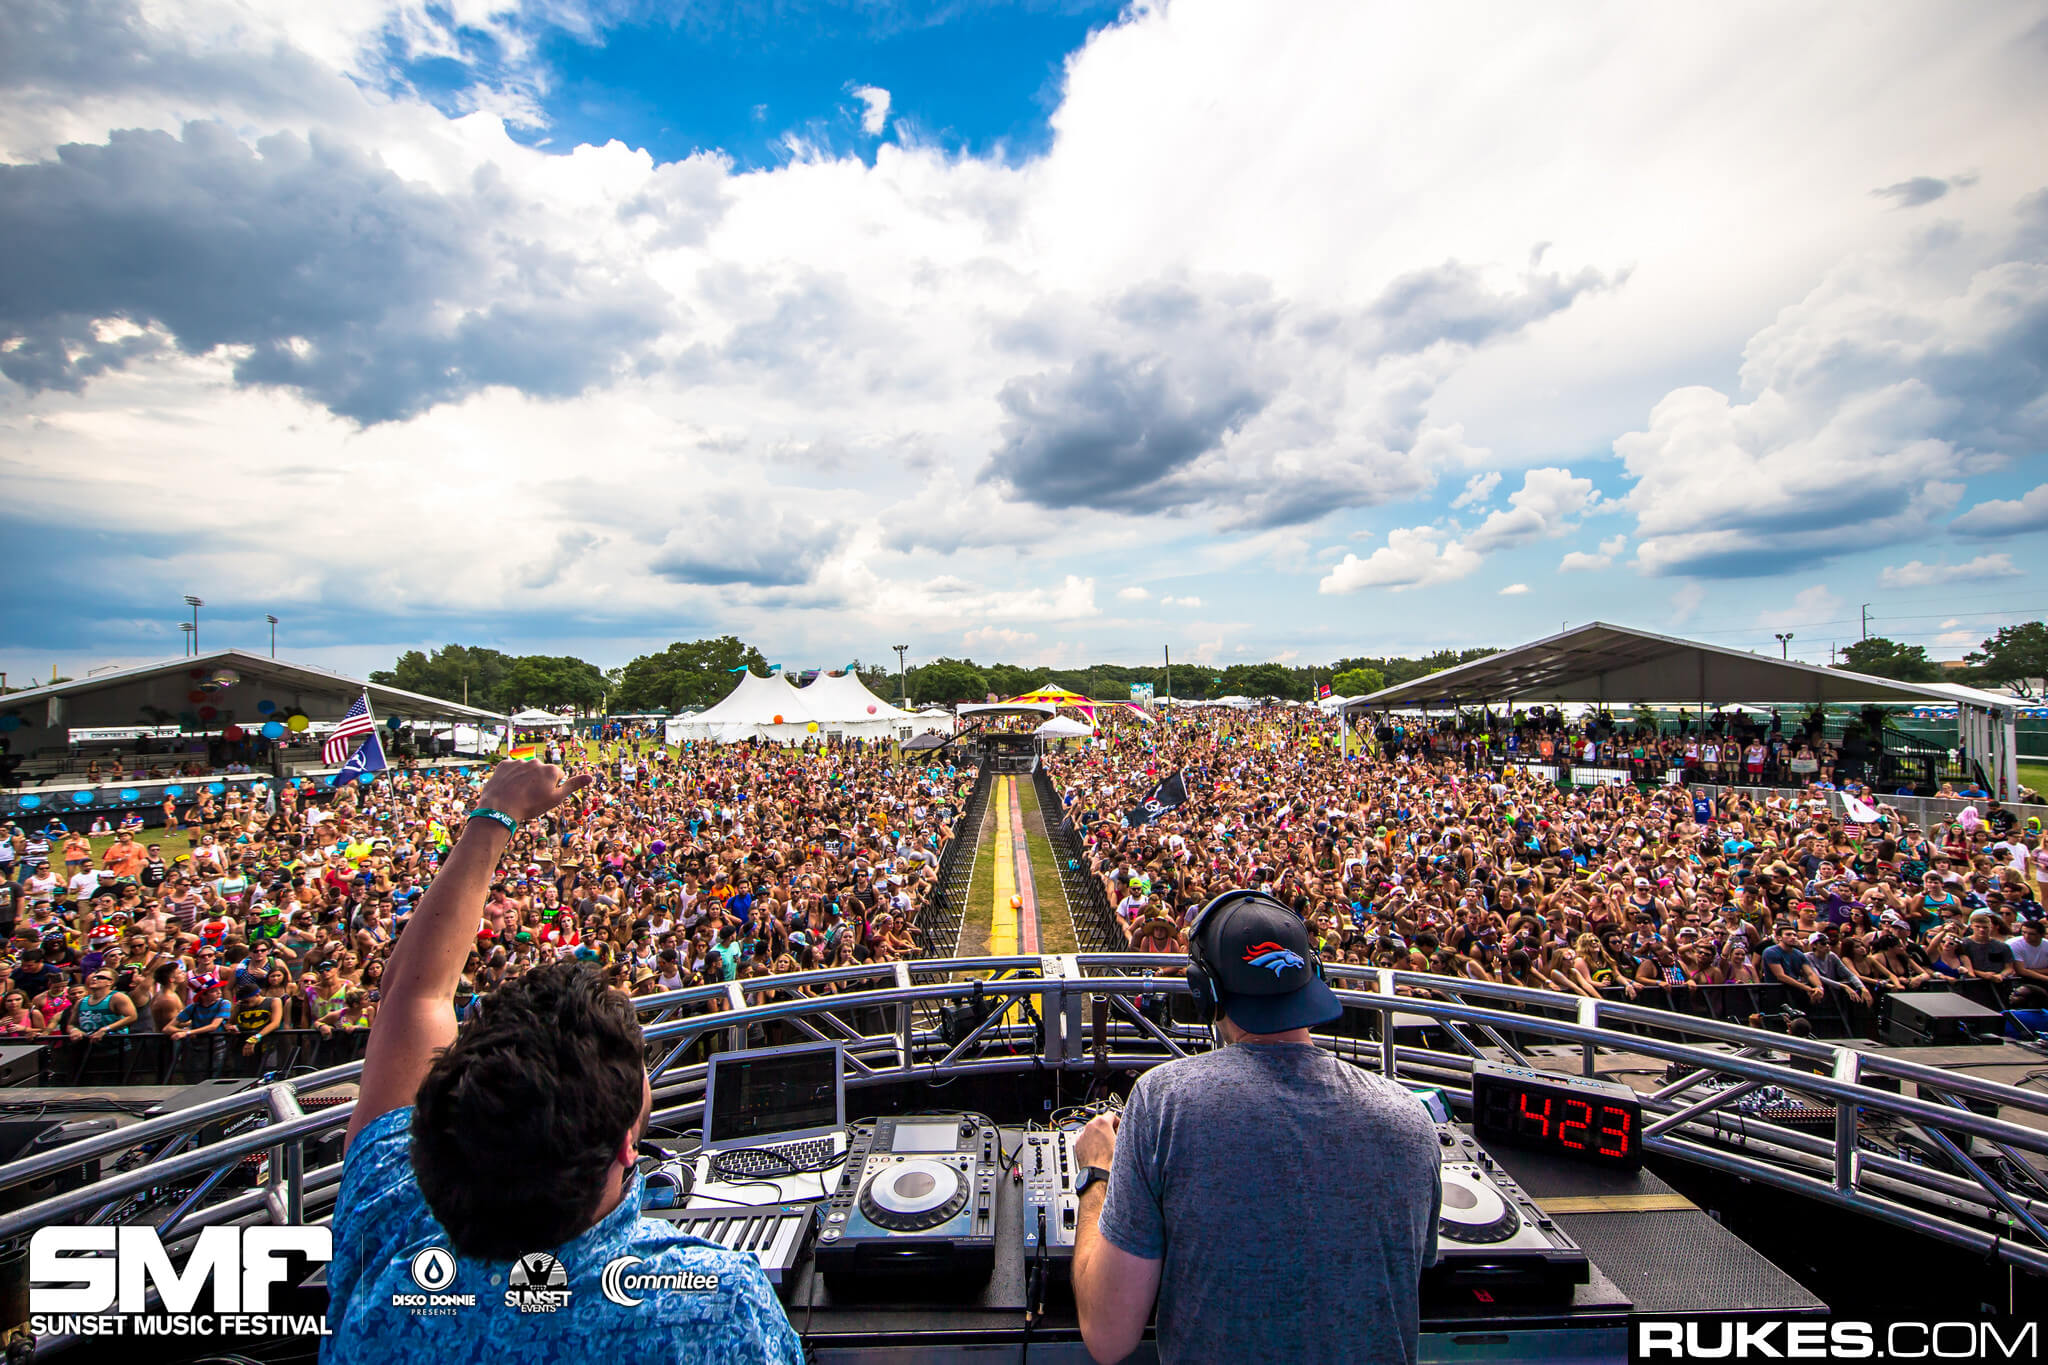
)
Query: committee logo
[
  {"x": 1271, "y": 954},
  {"x": 538, "y": 1284},
  {"x": 624, "y": 1288},
  {"x": 433, "y": 1270}
]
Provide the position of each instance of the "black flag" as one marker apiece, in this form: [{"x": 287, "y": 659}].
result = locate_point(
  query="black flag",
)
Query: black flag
[{"x": 1164, "y": 798}]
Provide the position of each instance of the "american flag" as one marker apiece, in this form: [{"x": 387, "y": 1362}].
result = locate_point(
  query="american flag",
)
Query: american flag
[{"x": 356, "y": 722}]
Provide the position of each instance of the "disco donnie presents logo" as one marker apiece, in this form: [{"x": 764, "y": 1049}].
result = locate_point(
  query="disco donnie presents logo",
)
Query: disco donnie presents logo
[{"x": 1271, "y": 954}]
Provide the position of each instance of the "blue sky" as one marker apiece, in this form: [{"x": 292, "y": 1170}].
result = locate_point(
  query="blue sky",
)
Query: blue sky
[{"x": 1317, "y": 330}]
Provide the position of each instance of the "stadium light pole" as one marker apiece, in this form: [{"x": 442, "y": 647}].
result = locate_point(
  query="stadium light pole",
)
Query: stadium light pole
[
  {"x": 195, "y": 604},
  {"x": 188, "y": 628},
  {"x": 902, "y": 678},
  {"x": 273, "y": 633},
  {"x": 1784, "y": 642}
]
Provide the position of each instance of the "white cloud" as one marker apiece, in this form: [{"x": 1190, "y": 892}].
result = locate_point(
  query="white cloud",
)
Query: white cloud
[
  {"x": 1544, "y": 506},
  {"x": 1478, "y": 489},
  {"x": 1581, "y": 561},
  {"x": 1180, "y": 601},
  {"x": 1413, "y": 557},
  {"x": 999, "y": 638},
  {"x": 1133, "y": 593},
  {"x": 1914, "y": 574},
  {"x": 1808, "y": 606},
  {"x": 1514, "y": 590},
  {"x": 2005, "y": 516},
  {"x": 874, "y": 115},
  {"x": 1686, "y": 599}
]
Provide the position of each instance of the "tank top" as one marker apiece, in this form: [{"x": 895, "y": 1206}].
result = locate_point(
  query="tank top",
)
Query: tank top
[
  {"x": 252, "y": 1015},
  {"x": 96, "y": 1016}
]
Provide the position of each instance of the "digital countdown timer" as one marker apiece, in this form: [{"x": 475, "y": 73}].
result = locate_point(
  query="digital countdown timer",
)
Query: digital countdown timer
[{"x": 1567, "y": 1116}]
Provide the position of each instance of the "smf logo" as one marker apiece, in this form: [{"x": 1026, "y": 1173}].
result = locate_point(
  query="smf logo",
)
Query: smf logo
[
  {"x": 1271, "y": 954},
  {"x": 96, "y": 1280},
  {"x": 619, "y": 1285},
  {"x": 433, "y": 1270},
  {"x": 539, "y": 1284}
]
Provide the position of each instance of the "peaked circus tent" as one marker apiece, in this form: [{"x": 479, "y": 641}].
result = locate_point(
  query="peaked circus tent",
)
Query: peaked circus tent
[
  {"x": 842, "y": 702},
  {"x": 756, "y": 708}
]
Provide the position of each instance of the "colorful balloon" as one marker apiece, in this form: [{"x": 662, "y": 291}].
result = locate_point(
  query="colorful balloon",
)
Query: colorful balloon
[
  {"x": 778, "y": 720},
  {"x": 871, "y": 708},
  {"x": 297, "y": 725},
  {"x": 265, "y": 707},
  {"x": 207, "y": 713},
  {"x": 812, "y": 727},
  {"x": 196, "y": 695},
  {"x": 232, "y": 732},
  {"x": 272, "y": 730}
]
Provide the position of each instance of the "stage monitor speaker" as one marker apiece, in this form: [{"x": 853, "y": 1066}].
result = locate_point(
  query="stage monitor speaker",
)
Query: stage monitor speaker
[
  {"x": 1924, "y": 1018},
  {"x": 22, "y": 1138},
  {"x": 23, "y": 1064}
]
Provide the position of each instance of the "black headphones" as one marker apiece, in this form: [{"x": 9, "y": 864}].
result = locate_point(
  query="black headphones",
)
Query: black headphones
[{"x": 1201, "y": 976}]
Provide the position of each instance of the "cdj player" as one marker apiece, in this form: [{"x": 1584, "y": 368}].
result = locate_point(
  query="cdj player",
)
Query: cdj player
[
  {"x": 1492, "y": 1236},
  {"x": 917, "y": 1194}
]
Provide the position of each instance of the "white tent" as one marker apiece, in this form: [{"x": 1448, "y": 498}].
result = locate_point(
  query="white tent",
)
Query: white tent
[
  {"x": 1059, "y": 727},
  {"x": 756, "y": 708},
  {"x": 842, "y": 704},
  {"x": 539, "y": 720},
  {"x": 1331, "y": 702},
  {"x": 671, "y": 729},
  {"x": 932, "y": 721}
]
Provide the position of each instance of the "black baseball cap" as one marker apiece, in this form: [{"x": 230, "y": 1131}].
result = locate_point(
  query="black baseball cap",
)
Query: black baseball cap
[{"x": 1257, "y": 952}]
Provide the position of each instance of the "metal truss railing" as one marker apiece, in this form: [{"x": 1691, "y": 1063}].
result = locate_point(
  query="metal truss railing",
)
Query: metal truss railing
[{"x": 1975, "y": 1183}]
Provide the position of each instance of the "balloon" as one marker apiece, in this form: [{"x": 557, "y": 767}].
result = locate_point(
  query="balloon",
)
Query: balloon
[
  {"x": 657, "y": 848},
  {"x": 778, "y": 720},
  {"x": 272, "y": 730},
  {"x": 195, "y": 695},
  {"x": 871, "y": 708},
  {"x": 9, "y": 723},
  {"x": 207, "y": 713},
  {"x": 297, "y": 725},
  {"x": 130, "y": 794},
  {"x": 812, "y": 727},
  {"x": 393, "y": 723},
  {"x": 265, "y": 707},
  {"x": 232, "y": 732}
]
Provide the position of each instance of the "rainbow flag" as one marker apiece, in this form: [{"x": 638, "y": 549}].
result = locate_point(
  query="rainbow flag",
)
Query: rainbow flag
[{"x": 526, "y": 751}]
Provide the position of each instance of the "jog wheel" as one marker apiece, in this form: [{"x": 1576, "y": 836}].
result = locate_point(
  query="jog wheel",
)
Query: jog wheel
[
  {"x": 1474, "y": 1211},
  {"x": 913, "y": 1196}
]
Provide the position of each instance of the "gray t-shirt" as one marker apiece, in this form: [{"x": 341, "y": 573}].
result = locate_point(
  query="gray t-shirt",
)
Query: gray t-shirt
[{"x": 1293, "y": 1198}]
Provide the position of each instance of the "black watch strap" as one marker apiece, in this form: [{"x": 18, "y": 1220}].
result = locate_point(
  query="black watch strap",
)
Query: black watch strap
[{"x": 1089, "y": 1176}]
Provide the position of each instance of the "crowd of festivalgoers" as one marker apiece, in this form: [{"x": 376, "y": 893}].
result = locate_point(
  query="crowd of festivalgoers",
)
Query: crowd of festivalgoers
[
  {"x": 1431, "y": 848},
  {"x": 679, "y": 867}
]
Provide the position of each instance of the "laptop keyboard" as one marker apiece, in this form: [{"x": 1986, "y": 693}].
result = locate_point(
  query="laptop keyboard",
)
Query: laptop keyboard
[{"x": 763, "y": 1162}]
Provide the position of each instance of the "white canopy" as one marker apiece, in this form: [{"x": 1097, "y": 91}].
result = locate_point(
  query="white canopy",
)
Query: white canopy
[
  {"x": 841, "y": 702},
  {"x": 756, "y": 708},
  {"x": 1059, "y": 727},
  {"x": 539, "y": 720},
  {"x": 671, "y": 729}
]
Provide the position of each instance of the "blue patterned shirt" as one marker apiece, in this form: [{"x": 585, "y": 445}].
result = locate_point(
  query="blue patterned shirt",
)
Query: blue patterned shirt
[{"x": 382, "y": 1223}]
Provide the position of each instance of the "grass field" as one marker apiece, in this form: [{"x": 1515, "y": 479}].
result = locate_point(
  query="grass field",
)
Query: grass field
[
  {"x": 981, "y": 890},
  {"x": 2035, "y": 775},
  {"x": 1055, "y": 922}
]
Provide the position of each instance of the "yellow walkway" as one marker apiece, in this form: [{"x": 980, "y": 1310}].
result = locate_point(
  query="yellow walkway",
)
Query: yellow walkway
[{"x": 1002, "y": 929}]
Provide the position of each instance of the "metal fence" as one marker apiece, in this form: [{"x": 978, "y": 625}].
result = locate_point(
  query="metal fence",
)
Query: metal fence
[
  {"x": 159, "y": 1059},
  {"x": 938, "y": 921},
  {"x": 1095, "y": 926}
]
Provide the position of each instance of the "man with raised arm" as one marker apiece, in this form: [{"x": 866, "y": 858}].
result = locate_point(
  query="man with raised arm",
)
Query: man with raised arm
[{"x": 497, "y": 1161}]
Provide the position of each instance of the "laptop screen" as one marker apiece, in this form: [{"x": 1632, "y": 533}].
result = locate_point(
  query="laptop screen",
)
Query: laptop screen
[{"x": 777, "y": 1093}]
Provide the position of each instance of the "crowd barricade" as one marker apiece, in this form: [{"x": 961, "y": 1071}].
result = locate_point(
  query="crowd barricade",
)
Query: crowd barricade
[
  {"x": 1095, "y": 924},
  {"x": 159, "y": 1059},
  {"x": 939, "y": 918}
]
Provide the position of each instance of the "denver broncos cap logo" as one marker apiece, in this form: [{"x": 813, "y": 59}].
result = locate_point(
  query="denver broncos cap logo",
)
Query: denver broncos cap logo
[{"x": 1271, "y": 954}]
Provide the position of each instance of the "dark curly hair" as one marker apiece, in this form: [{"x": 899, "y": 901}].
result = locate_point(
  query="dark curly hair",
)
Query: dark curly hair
[{"x": 516, "y": 1123}]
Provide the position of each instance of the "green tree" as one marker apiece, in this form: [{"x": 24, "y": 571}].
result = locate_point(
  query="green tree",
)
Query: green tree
[
  {"x": 696, "y": 673},
  {"x": 2016, "y": 657},
  {"x": 449, "y": 673},
  {"x": 944, "y": 680},
  {"x": 1882, "y": 658},
  {"x": 553, "y": 680},
  {"x": 1357, "y": 682}
]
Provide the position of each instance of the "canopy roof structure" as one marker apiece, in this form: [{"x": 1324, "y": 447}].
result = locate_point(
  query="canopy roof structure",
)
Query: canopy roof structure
[
  {"x": 1060, "y": 727},
  {"x": 1015, "y": 708},
  {"x": 534, "y": 719},
  {"x": 1618, "y": 666},
  {"x": 161, "y": 694}
]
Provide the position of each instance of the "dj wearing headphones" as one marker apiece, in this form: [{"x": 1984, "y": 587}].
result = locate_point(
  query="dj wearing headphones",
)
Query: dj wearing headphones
[{"x": 1278, "y": 1202}]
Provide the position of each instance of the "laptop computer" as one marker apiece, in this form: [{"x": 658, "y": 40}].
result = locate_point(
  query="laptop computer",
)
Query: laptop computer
[{"x": 764, "y": 1109}]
